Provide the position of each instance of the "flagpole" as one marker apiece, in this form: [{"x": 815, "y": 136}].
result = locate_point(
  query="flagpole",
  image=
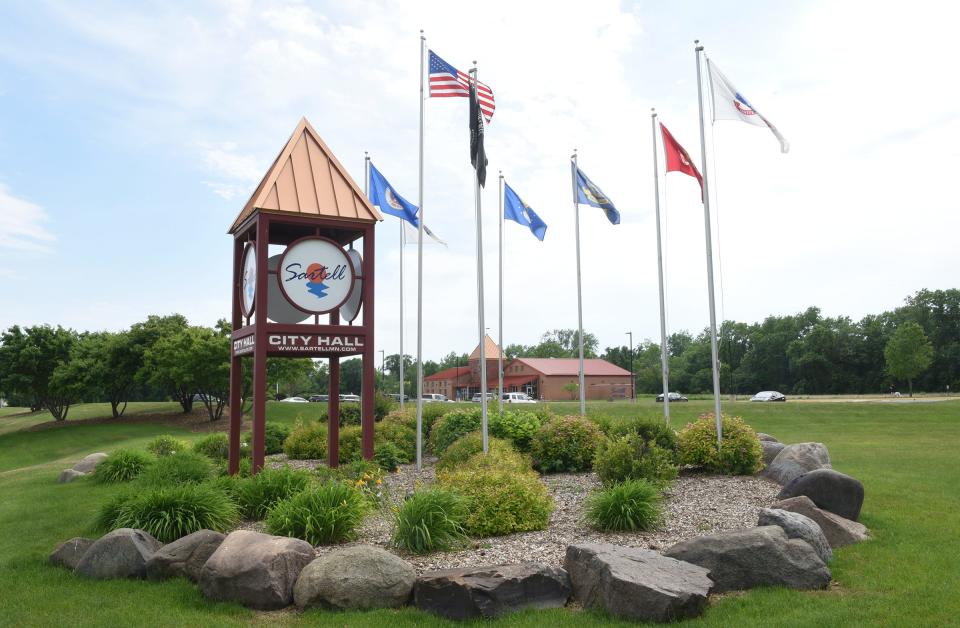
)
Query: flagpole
[
  {"x": 706, "y": 221},
  {"x": 664, "y": 358},
  {"x": 480, "y": 324},
  {"x": 500, "y": 301},
  {"x": 419, "y": 280},
  {"x": 576, "y": 215},
  {"x": 402, "y": 395}
]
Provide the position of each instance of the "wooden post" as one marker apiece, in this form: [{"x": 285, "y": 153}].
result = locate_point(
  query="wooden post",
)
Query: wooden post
[
  {"x": 369, "y": 376},
  {"x": 260, "y": 347}
]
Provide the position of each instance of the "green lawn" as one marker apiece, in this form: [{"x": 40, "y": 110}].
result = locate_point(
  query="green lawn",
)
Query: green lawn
[{"x": 906, "y": 455}]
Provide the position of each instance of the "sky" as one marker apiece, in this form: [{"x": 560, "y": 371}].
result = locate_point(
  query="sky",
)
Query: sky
[{"x": 132, "y": 134}]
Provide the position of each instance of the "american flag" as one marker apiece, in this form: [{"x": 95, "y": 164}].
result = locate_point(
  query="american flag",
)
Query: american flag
[{"x": 448, "y": 82}]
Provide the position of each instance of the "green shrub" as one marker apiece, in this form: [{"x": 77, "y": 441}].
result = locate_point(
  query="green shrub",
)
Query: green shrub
[
  {"x": 170, "y": 512},
  {"x": 215, "y": 446},
  {"x": 565, "y": 444},
  {"x": 397, "y": 432},
  {"x": 257, "y": 494},
  {"x": 465, "y": 447},
  {"x": 183, "y": 467},
  {"x": 274, "y": 435},
  {"x": 630, "y": 457},
  {"x": 328, "y": 513},
  {"x": 382, "y": 406},
  {"x": 122, "y": 465},
  {"x": 306, "y": 442},
  {"x": 351, "y": 442},
  {"x": 452, "y": 426},
  {"x": 228, "y": 485},
  {"x": 245, "y": 468},
  {"x": 432, "y": 412},
  {"x": 650, "y": 431},
  {"x": 740, "y": 453},
  {"x": 431, "y": 520},
  {"x": 500, "y": 500},
  {"x": 388, "y": 456},
  {"x": 628, "y": 506},
  {"x": 517, "y": 425},
  {"x": 500, "y": 458},
  {"x": 166, "y": 445}
]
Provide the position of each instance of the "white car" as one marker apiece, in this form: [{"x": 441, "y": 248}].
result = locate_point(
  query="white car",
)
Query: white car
[
  {"x": 348, "y": 398},
  {"x": 433, "y": 398},
  {"x": 294, "y": 400},
  {"x": 490, "y": 397},
  {"x": 517, "y": 397},
  {"x": 768, "y": 395}
]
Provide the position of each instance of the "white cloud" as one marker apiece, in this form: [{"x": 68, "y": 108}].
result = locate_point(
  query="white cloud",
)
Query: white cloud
[{"x": 22, "y": 224}]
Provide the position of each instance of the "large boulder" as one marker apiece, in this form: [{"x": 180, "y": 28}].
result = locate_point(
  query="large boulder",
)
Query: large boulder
[
  {"x": 255, "y": 569},
  {"x": 69, "y": 475},
  {"x": 829, "y": 490},
  {"x": 69, "y": 553},
  {"x": 795, "y": 460},
  {"x": 360, "y": 577},
  {"x": 122, "y": 553},
  {"x": 798, "y": 526},
  {"x": 839, "y": 531},
  {"x": 770, "y": 450},
  {"x": 766, "y": 438},
  {"x": 744, "y": 559},
  {"x": 185, "y": 556},
  {"x": 490, "y": 591},
  {"x": 636, "y": 583},
  {"x": 89, "y": 463}
]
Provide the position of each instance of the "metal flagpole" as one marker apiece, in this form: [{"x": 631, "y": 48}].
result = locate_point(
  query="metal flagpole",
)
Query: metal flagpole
[
  {"x": 576, "y": 214},
  {"x": 419, "y": 281},
  {"x": 706, "y": 221},
  {"x": 402, "y": 251},
  {"x": 480, "y": 325},
  {"x": 664, "y": 357},
  {"x": 500, "y": 301}
]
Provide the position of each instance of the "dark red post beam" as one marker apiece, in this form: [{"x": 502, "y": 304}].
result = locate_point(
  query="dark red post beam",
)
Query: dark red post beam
[
  {"x": 333, "y": 406},
  {"x": 367, "y": 417},
  {"x": 260, "y": 348},
  {"x": 236, "y": 364}
]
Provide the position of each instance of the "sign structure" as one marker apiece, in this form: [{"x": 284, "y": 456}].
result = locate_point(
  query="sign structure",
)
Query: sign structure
[
  {"x": 248, "y": 284},
  {"x": 315, "y": 275}
]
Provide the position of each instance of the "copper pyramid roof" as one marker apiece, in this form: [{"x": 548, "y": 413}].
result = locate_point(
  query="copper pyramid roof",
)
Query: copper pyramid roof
[
  {"x": 306, "y": 179},
  {"x": 490, "y": 350}
]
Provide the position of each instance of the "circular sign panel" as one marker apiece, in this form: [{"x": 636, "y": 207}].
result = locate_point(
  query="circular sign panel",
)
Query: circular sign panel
[
  {"x": 248, "y": 279},
  {"x": 279, "y": 310},
  {"x": 351, "y": 308},
  {"x": 315, "y": 275}
]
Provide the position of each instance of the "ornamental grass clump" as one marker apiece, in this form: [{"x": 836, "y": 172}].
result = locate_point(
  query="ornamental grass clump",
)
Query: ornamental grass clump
[
  {"x": 306, "y": 442},
  {"x": 122, "y": 465},
  {"x": 170, "y": 512},
  {"x": 468, "y": 445},
  {"x": 565, "y": 443},
  {"x": 739, "y": 454},
  {"x": 328, "y": 513},
  {"x": 166, "y": 445},
  {"x": 215, "y": 446},
  {"x": 257, "y": 494},
  {"x": 452, "y": 426},
  {"x": 628, "y": 506},
  {"x": 431, "y": 520},
  {"x": 500, "y": 500},
  {"x": 182, "y": 467}
]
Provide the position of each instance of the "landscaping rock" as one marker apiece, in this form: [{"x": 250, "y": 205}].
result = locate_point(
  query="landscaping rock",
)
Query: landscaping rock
[
  {"x": 122, "y": 553},
  {"x": 185, "y": 556},
  {"x": 798, "y": 526},
  {"x": 69, "y": 475},
  {"x": 355, "y": 578},
  {"x": 69, "y": 553},
  {"x": 839, "y": 531},
  {"x": 766, "y": 438},
  {"x": 89, "y": 463},
  {"x": 255, "y": 569},
  {"x": 490, "y": 591},
  {"x": 795, "y": 460},
  {"x": 770, "y": 450},
  {"x": 743, "y": 559},
  {"x": 829, "y": 490},
  {"x": 636, "y": 583}
]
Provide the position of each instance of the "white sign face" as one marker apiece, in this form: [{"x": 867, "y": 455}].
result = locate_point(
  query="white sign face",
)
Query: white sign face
[
  {"x": 315, "y": 275},
  {"x": 248, "y": 281}
]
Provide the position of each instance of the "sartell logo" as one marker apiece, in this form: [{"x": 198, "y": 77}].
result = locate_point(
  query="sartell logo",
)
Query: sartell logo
[{"x": 316, "y": 275}]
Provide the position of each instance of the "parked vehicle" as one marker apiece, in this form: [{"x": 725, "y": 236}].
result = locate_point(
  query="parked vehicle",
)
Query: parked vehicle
[
  {"x": 198, "y": 398},
  {"x": 674, "y": 397},
  {"x": 490, "y": 397},
  {"x": 517, "y": 397},
  {"x": 349, "y": 398},
  {"x": 768, "y": 395},
  {"x": 294, "y": 400},
  {"x": 318, "y": 398},
  {"x": 433, "y": 398},
  {"x": 396, "y": 397}
]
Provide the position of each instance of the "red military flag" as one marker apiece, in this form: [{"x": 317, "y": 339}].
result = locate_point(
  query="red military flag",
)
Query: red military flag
[{"x": 678, "y": 159}]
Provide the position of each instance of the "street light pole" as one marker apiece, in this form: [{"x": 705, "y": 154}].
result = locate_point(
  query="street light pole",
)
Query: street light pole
[
  {"x": 383, "y": 370},
  {"x": 633, "y": 390}
]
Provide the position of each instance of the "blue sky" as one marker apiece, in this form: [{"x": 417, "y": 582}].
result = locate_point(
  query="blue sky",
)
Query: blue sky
[{"x": 131, "y": 134}]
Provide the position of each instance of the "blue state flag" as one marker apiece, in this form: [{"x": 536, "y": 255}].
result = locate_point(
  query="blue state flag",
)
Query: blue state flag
[
  {"x": 516, "y": 210},
  {"x": 386, "y": 199},
  {"x": 589, "y": 193}
]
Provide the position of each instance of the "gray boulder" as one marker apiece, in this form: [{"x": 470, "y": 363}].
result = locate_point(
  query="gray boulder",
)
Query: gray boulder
[
  {"x": 69, "y": 475},
  {"x": 355, "y": 578},
  {"x": 795, "y": 460},
  {"x": 798, "y": 526},
  {"x": 839, "y": 531},
  {"x": 185, "y": 556},
  {"x": 770, "y": 450},
  {"x": 69, "y": 553},
  {"x": 255, "y": 569},
  {"x": 636, "y": 583},
  {"x": 744, "y": 559},
  {"x": 829, "y": 490},
  {"x": 89, "y": 463},
  {"x": 122, "y": 553},
  {"x": 491, "y": 591},
  {"x": 766, "y": 438}
]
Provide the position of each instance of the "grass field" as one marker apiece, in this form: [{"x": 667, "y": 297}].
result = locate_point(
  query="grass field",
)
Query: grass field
[{"x": 905, "y": 453}]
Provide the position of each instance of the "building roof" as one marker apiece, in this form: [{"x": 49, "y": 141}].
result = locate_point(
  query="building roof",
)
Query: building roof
[
  {"x": 490, "y": 350},
  {"x": 571, "y": 366},
  {"x": 450, "y": 373},
  {"x": 307, "y": 179}
]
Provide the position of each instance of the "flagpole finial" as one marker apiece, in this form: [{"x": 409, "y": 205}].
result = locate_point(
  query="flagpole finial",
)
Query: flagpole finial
[
  {"x": 696, "y": 42},
  {"x": 653, "y": 112}
]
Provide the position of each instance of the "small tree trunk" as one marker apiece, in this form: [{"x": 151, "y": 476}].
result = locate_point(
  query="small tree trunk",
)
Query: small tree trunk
[{"x": 910, "y": 384}]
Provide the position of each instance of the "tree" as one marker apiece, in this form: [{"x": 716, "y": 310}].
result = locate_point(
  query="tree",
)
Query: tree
[
  {"x": 102, "y": 365},
  {"x": 28, "y": 359},
  {"x": 572, "y": 388},
  {"x": 908, "y": 353},
  {"x": 195, "y": 360},
  {"x": 143, "y": 336}
]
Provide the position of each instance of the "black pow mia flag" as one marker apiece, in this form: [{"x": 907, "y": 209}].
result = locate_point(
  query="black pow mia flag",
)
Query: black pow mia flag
[{"x": 478, "y": 156}]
